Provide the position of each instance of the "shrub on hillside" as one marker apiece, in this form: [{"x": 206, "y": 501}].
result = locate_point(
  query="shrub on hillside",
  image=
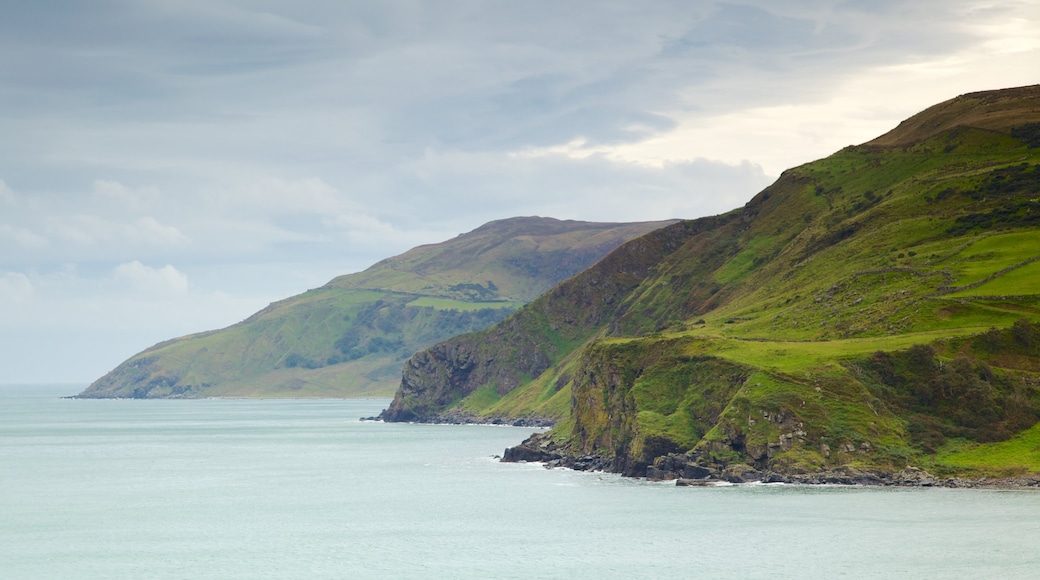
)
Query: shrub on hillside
[{"x": 962, "y": 397}]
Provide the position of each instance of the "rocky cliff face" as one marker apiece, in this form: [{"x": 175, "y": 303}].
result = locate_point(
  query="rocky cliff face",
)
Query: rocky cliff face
[{"x": 623, "y": 387}]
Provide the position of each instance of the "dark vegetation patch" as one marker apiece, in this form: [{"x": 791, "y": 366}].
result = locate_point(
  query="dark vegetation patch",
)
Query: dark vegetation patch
[
  {"x": 1023, "y": 338},
  {"x": 964, "y": 397},
  {"x": 475, "y": 291},
  {"x": 1028, "y": 134},
  {"x": 864, "y": 202},
  {"x": 555, "y": 264},
  {"x": 390, "y": 326},
  {"x": 297, "y": 360},
  {"x": 833, "y": 237},
  {"x": 1021, "y": 179},
  {"x": 1011, "y": 192}
]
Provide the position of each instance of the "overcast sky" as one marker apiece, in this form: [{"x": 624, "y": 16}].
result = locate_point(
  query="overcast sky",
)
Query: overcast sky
[{"x": 168, "y": 167}]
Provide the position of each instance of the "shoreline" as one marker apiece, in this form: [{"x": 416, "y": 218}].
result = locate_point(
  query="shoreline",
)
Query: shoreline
[
  {"x": 687, "y": 474},
  {"x": 462, "y": 418},
  {"x": 908, "y": 478}
]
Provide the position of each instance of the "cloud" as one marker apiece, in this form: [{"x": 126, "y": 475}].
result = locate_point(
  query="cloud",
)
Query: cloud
[
  {"x": 15, "y": 287},
  {"x": 149, "y": 230},
  {"x": 360, "y": 225},
  {"x": 590, "y": 186},
  {"x": 23, "y": 238},
  {"x": 93, "y": 229},
  {"x": 264, "y": 148},
  {"x": 129, "y": 197},
  {"x": 96, "y": 320},
  {"x": 164, "y": 281},
  {"x": 305, "y": 210},
  {"x": 273, "y": 195},
  {"x": 994, "y": 50},
  {"x": 7, "y": 196}
]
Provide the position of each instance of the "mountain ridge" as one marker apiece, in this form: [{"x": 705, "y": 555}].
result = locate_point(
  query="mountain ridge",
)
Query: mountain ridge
[
  {"x": 349, "y": 337},
  {"x": 904, "y": 249}
]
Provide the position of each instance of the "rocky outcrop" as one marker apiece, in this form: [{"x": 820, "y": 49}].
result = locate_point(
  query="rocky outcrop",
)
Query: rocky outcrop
[
  {"x": 541, "y": 448},
  {"x": 639, "y": 400}
]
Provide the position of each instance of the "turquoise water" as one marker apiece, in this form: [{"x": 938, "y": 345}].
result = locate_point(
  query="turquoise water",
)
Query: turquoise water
[{"x": 302, "y": 489}]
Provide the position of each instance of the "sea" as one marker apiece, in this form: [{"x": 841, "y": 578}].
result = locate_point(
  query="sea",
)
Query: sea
[{"x": 227, "y": 489}]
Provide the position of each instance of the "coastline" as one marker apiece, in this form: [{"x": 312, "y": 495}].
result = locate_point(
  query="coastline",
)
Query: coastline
[
  {"x": 456, "y": 417},
  {"x": 684, "y": 473}
]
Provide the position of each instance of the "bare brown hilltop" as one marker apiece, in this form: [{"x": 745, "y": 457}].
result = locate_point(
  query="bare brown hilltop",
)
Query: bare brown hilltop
[{"x": 998, "y": 110}]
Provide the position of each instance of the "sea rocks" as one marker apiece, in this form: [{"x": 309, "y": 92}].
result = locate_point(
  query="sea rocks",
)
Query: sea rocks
[
  {"x": 915, "y": 477},
  {"x": 457, "y": 417},
  {"x": 655, "y": 474},
  {"x": 534, "y": 448},
  {"x": 683, "y": 482},
  {"x": 583, "y": 463},
  {"x": 741, "y": 473},
  {"x": 687, "y": 473},
  {"x": 541, "y": 448},
  {"x": 523, "y": 453},
  {"x": 676, "y": 466},
  {"x": 844, "y": 475}
]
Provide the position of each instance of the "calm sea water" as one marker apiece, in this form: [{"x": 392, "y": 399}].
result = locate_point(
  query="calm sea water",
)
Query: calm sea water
[{"x": 303, "y": 489}]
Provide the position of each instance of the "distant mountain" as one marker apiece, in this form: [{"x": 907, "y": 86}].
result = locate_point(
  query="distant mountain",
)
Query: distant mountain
[
  {"x": 350, "y": 337},
  {"x": 869, "y": 312}
]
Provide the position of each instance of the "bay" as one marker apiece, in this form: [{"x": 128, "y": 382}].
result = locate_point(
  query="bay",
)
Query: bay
[{"x": 304, "y": 489}]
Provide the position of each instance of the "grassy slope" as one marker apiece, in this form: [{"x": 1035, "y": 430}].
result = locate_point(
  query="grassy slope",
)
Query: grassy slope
[
  {"x": 925, "y": 235},
  {"x": 1020, "y": 454},
  {"x": 350, "y": 337}
]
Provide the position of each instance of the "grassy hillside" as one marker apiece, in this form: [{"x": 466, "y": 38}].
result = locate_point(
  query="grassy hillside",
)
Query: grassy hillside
[
  {"x": 488, "y": 365},
  {"x": 350, "y": 337},
  {"x": 869, "y": 310}
]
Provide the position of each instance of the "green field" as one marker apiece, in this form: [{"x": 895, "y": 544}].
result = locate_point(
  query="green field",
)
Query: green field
[{"x": 1018, "y": 455}]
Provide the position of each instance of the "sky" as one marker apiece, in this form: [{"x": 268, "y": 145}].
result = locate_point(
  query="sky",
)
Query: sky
[{"x": 169, "y": 167}]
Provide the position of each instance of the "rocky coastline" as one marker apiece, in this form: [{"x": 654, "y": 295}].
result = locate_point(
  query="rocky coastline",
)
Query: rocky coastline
[
  {"x": 456, "y": 417},
  {"x": 685, "y": 471},
  {"x": 688, "y": 470}
]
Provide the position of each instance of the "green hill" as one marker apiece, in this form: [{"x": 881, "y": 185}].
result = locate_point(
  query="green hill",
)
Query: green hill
[
  {"x": 867, "y": 312},
  {"x": 350, "y": 337}
]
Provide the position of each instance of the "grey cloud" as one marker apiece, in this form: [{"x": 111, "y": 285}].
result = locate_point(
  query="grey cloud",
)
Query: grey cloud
[
  {"x": 464, "y": 74},
  {"x": 259, "y": 147},
  {"x": 590, "y": 188}
]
